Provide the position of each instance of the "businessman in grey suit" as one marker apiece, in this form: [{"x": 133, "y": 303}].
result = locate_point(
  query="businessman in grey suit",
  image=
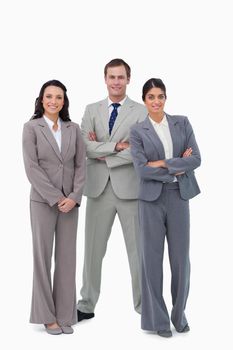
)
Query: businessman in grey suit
[
  {"x": 111, "y": 186},
  {"x": 54, "y": 158},
  {"x": 165, "y": 154}
]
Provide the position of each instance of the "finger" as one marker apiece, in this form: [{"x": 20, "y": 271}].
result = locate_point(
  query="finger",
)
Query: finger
[{"x": 61, "y": 204}]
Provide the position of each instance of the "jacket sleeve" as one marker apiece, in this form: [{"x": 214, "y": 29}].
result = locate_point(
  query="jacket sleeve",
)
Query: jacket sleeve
[
  {"x": 120, "y": 158},
  {"x": 94, "y": 149},
  {"x": 176, "y": 165},
  {"x": 36, "y": 175},
  {"x": 144, "y": 171},
  {"x": 80, "y": 168}
]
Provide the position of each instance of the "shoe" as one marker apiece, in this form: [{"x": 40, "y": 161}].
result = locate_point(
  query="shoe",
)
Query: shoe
[
  {"x": 67, "y": 329},
  {"x": 184, "y": 330},
  {"x": 165, "y": 333},
  {"x": 53, "y": 331},
  {"x": 84, "y": 315}
]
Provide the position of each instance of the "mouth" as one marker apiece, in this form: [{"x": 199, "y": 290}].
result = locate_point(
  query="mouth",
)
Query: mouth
[{"x": 52, "y": 107}]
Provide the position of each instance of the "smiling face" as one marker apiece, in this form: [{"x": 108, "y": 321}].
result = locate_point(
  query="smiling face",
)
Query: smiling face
[
  {"x": 116, "y": 80},
  {"x": 155, "y": 100},
  {"x": 53, "y": 101}
]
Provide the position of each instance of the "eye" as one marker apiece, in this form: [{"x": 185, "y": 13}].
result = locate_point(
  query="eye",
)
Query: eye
[
  {"x": 161, "y": 97},
  {"x": 150, "y": 97}
]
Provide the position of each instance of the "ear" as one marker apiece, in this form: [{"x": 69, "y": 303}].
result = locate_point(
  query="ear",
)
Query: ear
[{"x": 128, "y": 80}]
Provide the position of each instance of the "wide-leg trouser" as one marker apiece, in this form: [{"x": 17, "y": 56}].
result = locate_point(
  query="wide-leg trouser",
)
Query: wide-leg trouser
[
  {"x": 168, "y": 217},
  {"x": 57, "y": 302},
  {"x": 100, "y": 215}
]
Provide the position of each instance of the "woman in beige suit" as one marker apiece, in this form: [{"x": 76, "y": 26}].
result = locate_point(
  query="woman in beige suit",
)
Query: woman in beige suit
[{"x": 54, "y": 158}]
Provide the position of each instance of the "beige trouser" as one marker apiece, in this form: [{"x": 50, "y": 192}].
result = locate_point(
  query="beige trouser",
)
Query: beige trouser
[
  {"x": 100, "y": 215},
  {"x": 57, "y": 303}
]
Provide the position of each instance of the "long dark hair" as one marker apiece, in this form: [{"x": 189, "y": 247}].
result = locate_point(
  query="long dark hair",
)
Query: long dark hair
[
  {"x": 39, "y": 110},
  {"x": 151, "y": 83}
]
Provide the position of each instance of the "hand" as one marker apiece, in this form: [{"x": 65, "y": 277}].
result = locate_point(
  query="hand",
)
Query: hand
[
  {"x": 101, "y": 158},
  {"x": 60, "y": 200},
  {"x": 187, "y": 152},
  {"x": 120, "y": 146},
  {"x": 92, "y": 136},
  {"x": 157, "y": 164},
  {"x": 66, "y": 205}
]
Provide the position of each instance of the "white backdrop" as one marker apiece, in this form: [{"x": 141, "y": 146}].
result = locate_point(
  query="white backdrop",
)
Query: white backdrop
[{"x": 187, "y": 44}]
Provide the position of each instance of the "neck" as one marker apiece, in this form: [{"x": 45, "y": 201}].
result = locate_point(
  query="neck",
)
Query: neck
[
  {"x": 157, "y": 117},
  {"x": 116, "y": 99},
  {"x": 53, "y": 117}
]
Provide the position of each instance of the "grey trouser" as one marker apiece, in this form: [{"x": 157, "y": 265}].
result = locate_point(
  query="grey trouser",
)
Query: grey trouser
[
  {"x": 168, "y": 217},
  {"x": 100, "y": 215},
  {"x": 57, "y": 303}
]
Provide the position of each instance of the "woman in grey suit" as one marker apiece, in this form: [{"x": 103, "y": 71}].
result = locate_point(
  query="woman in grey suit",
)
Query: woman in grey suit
[
  {"x": 165, "y": 154},
  {"x": 54, "y": 158}
]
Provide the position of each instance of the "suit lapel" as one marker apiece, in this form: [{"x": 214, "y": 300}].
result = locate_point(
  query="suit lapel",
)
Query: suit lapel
[
  {"x": 49, "y": 136},
  {"x": 65, "y": 137},
  {"x": 150, "y": 131},
  {"x": 104, "y": 114},
  {"x": 175, "y": 135},
  {"x": 125, "y": 109}
]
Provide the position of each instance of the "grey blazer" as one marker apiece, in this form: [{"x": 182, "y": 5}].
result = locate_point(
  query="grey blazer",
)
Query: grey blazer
[
  {"x": 118, "y": 166},
  {"x": 52, "y": 173},
  {"x": 146, "y": 146}
]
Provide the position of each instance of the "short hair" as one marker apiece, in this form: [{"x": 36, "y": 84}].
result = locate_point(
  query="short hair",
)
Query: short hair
[
  {"x": 116, "y": 62},
  {"x": 39, "y": 110},
  {"x": 153, "y": 83}
]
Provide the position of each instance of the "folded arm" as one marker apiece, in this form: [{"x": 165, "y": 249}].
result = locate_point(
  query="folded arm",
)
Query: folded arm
[
  {"x": 184, "y": 164},
  {"x": 94, "y": 149},
  {"x": 145, "y": 171}
]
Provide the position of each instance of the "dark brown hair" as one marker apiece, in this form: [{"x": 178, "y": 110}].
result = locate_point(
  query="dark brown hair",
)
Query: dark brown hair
[
  {"x": 39, "y": 110},
  {"x": 116, "y": 62},
  {"x": 151, "y": 83}
]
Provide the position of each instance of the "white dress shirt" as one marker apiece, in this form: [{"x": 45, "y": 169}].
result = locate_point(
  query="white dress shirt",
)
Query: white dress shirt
[
  {"x": 110, "y": 107},
  {"x": 56, "y": 134},
  {"x": 163, "y": 132}
]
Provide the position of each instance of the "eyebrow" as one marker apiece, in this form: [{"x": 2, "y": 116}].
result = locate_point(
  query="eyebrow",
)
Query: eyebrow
[
  {"x": 162, "y": 94},
  {"x": 114, "y": 76},
  {"x": 49, "y": 94}
]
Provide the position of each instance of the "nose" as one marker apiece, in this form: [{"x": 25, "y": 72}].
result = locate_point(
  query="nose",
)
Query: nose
[
  {"x": 157, "y": 101},
  {"x": 116, "y": 81},
  {"x": 53, "y": 100}
]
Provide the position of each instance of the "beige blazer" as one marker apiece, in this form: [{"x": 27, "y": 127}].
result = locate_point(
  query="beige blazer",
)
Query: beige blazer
[
  {"x": 118, "y": 166},
  {"x": 52, "y": 173}
]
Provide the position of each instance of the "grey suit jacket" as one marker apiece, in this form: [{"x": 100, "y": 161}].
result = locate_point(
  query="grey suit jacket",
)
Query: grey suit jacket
[
  {"x": 53, "y": 173},
  {"x": 117, "y": 165},
  {"x": 146, "y": 146}
]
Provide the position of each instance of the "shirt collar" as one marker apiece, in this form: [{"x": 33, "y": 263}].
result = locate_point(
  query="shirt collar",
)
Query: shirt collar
[
  {"x": 121, "y": 102},
  {"x": 163, "y": 122},
  {"x": 51, "y": 123}
]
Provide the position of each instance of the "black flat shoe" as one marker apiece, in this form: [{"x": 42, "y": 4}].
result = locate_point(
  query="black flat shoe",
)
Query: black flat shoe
[
  {"x": 165, "y": 333},
  {"x": 84, "y": 315},
  {"x": 185, "y": 329}
]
